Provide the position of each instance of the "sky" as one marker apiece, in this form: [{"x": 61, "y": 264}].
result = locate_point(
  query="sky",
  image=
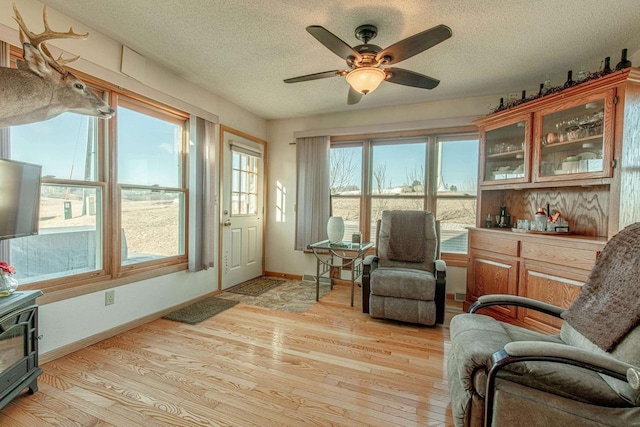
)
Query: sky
[
  {"x": 147, "y": 154},
  {"x": 48, "y": 143},
  {"x": 403, "y": 162}
]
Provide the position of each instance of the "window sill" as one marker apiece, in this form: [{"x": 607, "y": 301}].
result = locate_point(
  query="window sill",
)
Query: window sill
[{"x": 75, "y": 289}]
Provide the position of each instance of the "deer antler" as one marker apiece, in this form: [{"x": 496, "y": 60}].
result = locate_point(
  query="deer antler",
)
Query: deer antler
[{"x": 38, "y": 40}]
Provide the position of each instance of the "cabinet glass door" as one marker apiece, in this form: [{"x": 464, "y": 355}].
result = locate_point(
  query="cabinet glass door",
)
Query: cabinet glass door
[
  {"x": 505, "y": 153},
  {"x": 572, "y": 142}
]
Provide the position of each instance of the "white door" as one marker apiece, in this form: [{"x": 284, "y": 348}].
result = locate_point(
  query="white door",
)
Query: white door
[{"x": 242, "y": 209}]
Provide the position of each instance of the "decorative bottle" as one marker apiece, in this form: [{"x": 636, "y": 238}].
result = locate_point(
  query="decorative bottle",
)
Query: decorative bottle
[
  {"x": 569, "y": 81},
  {"x": 501, "y": 106},
  {"x": 540, "y": 93},
  {"x": 624, "y": 62},
  {"x": 607, "y": 65},
  {"x": 547, "y": 84}
]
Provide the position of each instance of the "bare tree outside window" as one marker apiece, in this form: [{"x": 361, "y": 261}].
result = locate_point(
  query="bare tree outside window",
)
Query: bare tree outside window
[
  {"x": 415, "y": 179},
  {"x": 380, "y": 179},
  {"x": 342, "y": 171},
  {"x": 345, "y": 180},
  {"x": 415, "y": 183}
]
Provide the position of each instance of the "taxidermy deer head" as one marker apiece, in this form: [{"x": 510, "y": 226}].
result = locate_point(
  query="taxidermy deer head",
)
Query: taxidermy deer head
[{"x": 41, "y": 88}]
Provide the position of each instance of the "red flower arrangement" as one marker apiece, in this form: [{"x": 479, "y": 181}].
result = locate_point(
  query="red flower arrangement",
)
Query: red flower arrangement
[{"x": 6, "y": 268}]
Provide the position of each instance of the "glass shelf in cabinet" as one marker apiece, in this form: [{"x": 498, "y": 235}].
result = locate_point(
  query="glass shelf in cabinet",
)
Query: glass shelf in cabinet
[
  {"x": 499, "y": 175},
  {"x": 561, "y": 146},
  {"x": 513, "y": 153}
]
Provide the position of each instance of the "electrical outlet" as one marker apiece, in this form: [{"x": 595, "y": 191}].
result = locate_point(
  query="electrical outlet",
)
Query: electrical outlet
[{"x": 110, "y": 297}]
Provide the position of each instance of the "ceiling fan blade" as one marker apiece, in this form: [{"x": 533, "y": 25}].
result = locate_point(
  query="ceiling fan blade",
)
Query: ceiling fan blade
[
  {"x": 354, "y": 96},
  {"x": 316, "y": 76},
  {"x": 410, "y": 78},
  {"x": 414, "y": 45},
  {"x": 333, "y": 42}
]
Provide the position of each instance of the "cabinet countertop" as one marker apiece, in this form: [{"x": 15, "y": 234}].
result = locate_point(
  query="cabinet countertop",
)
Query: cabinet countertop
[{"x": 539, "y": 236}]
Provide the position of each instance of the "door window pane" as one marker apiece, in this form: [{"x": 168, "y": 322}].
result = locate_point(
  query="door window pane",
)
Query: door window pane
[{"x": 244, "y": 188}]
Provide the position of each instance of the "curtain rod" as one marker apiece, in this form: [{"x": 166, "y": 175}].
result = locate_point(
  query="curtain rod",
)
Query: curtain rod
[{"x": 387, "y": 127}]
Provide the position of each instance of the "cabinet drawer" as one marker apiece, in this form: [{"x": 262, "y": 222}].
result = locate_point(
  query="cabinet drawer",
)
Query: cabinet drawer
[
  {"x": 563, "y": 256},
  {"x": 488, "y": 242}
]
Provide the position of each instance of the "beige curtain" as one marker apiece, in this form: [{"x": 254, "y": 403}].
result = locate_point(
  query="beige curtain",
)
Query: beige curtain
[
  {"x": 201, "y": 194},
  {"x": 4, "y": 147},
  {"x": 4, "y": 132},
  {"x": 312, "y": 197}
]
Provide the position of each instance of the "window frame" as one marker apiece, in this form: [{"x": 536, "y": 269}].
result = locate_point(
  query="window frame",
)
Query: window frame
[
  {"x": 112, "y": 273},
  {"x": 430, "y": 137}
]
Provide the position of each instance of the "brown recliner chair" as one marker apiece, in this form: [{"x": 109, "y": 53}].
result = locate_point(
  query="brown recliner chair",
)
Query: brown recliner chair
[
  {"x": 405, "y": 281},
  {"x": 588, "y": 375}
]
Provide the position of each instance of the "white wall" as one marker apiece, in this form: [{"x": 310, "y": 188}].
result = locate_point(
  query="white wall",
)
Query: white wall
[
  {"x": 281, "y": 257},
  {"x": 71, "y": 320}
]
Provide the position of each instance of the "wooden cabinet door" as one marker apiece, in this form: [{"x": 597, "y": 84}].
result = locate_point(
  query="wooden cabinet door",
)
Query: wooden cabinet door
[
  {"x": 491, "y": 273},
  {"x": 505, "y": 149},
  {"x": 554, "y": 284},
  {"x": 573, "y": 139}
]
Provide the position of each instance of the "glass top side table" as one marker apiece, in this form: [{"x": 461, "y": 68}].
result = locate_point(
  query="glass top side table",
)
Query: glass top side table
[{"x": 350, "y": 254}]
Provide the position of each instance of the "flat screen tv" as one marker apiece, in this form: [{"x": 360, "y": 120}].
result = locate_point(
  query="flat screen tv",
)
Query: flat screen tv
[{"x": 19, "y": 198}]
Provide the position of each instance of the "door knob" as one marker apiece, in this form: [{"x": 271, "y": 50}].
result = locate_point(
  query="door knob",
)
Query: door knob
[{"x": 227, "y": 223}]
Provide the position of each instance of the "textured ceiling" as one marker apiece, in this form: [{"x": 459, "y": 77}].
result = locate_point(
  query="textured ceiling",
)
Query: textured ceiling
[{"x": 241, "y": 50}]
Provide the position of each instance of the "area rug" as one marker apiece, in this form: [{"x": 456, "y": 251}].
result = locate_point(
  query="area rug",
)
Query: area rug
[
  {"x": 201, "y": 310},
  {"x": 291, "y": 295},
  {"x": 257, "y": 286}
]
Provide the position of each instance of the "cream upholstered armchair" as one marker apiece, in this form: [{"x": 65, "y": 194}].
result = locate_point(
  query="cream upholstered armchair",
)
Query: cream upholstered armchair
[
  {"x": 588, "y": 375},
  {"x": 405, "y": 281}
]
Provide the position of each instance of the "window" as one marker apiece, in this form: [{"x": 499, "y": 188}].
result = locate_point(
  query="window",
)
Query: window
[
  {"x": 435, "y": 172},
  {"x": 457, "y": 169},
  {"x": 113, "y": 194},
  {"x": 345, "y": 163},
  {"x": 151, "y": 181},
  {"x": 71, "y": 225},
  {"x": 397, "y": 178}
]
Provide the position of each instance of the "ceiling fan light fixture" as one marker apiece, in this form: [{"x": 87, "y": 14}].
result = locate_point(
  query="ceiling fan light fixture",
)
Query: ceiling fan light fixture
[{"x": 365, "y": 79}]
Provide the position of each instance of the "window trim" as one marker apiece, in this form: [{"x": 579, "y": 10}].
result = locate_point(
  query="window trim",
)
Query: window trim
[{"x": 111, "y": 274}]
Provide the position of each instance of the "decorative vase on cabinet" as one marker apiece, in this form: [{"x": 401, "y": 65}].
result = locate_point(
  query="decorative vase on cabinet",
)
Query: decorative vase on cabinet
[{"x": 8, "y": 284}]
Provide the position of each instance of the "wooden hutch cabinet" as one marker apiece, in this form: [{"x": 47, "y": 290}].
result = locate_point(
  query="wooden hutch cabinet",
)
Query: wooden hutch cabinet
[{"x": 577, "y": 151}]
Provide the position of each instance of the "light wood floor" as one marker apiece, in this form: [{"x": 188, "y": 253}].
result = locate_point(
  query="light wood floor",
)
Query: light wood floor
[{"x": 332, "y": 365}]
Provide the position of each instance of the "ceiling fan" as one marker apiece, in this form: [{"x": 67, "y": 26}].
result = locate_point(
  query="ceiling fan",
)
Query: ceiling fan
[{"x": 364, "y": 61}]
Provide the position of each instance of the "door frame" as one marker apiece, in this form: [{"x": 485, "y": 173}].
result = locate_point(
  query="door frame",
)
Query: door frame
[{"x": 226, "y": 129}]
